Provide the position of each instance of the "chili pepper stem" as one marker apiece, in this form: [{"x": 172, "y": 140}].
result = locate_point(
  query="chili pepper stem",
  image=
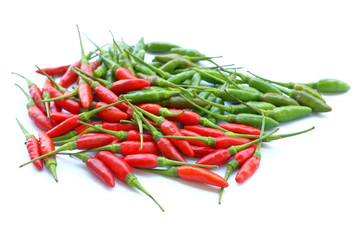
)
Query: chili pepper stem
[
  {"x": 132, "y": 181},
  {"x": 232, "y": 165},
  {"x": 162, "y": 162}
]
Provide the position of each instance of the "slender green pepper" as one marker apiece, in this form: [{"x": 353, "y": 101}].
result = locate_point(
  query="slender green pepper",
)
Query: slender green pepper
[
  {"x": 160, "y": 47},
  {"x": 151, "y": 94},
  {"x": 187, "y": 52},
  {"x": 330, "y": 85}
]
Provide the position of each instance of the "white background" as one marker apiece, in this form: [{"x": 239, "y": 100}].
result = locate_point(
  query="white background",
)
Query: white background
[{"x": 306, "y": 187}]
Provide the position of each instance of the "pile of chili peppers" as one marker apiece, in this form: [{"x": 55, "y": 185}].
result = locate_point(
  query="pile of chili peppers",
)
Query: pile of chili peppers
[{"x": 115, "y": 111}]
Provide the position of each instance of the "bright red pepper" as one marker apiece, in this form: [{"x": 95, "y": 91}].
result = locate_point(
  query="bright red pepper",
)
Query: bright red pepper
[
  {"x": 247, "y": 169},
  {"x": 240, "y": 128},
  {"x": 60, "y": 116},
  {"x": 69, "y": 76},
  {"x": 122, "y": 73},
  {"x": 122, "y": 171},
  {"x": 47, "y": 147},
  {"x": 111, "y": 114},
  {"x": 32, "y": 145},
  {"x": 200, "y": 152},
  {"x": 127, "y": 85},
  {"x": 54, "y": 71}
]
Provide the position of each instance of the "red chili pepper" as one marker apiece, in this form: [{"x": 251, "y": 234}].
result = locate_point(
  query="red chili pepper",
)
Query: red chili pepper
[
  {"x": 127, "y": 85},
  {"x": 240, "y": 128},
  {"x": 46, "y": 148},
  {"x": 82, "y": 127},
  {"x": 60, "y": 116},
  {"x": 193, "y": 173},
  {"x": 35, "y": 114},
  {"x": 165, "y": 146},
  {"x": 122, "y": 73},
  {"x": 35, "y": 93},
  {"x": 204, "y": 131},
  {"x": 119, "y": 126},
  {"x": 153, "y": 161},
  {"x": 247, "y": 169},
  {"x": 54, "y": 71},
  {"x": 111, "y": 114},
  {"x": 188, "y": 133},
  {"x": 69, "y": 76},
  {"x": 200, "y": 152},
  {"x": 95, "y": 64},
  {"x": 65, "y": 103},
  {"x": 122, "y": 171},
  {"x": 32, "y": 145},
  {"x": 72, "y": 122}
]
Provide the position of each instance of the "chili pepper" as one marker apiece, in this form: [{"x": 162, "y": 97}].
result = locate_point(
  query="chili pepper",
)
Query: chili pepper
[
  {"x": 200, "y": 152},
  {"x": 123, "y": 171},
  {"x": 97, "y": 167},
  {"x": 261, "y": 85},
  {"x": 55, "y": 71},
  {"x": 131, "y": 135},
  {"x": 239, "y": 159},
  {"x": 151, "y": 94},
  {"x": 153, "y": 161},
  {"x": 51, "y": 106},
  {"x": 99, "y": 139},
  {"x": 221, "y": 156},
  {"x": 188, "y": 133},
  {"x": 85, "y": 93},
  {"x": 165, "y": 146},
  {"x": 111, "y": 114},
  {"x": 86, "y": 141},
  {"x": 78, "y": 131},
  {"x": 122, "y": 73},
  {"x": 95, "y": 64},
  {"x": 330, "y": 85},
  {"x": 192, "y": 173},
  {"x": 60, "y": 116},
  {"x": 32, "y": 145},
  {"x": 240, "y": 128},
  {"x": 119, "y": 86},
  {"x": 181, "y": 77},
  {"x": 288, "y": 113},
  {"x": 216, "y": 142},
  {"x": 159, "y": 47},
  {"x": 35, "y": 114},
  {"x": 69, "y": 76},
  {"x": 169, "y": 66},
  {"x": 100, "y": 71},
  {"x": 34, "y": 92},
  {"x": 179, "y": 102},
  {"x": 119, "y": 126},
  {"x": 47, "y": 148},
  {"x": 187, "y": 52},
  {"x": 182, "y": 62},
  {"x": 72, "y": 122},
  {"x": 243, "y": 118},
  {"x": 278, "y": 99},
  {"x": 170, "y": 128}
]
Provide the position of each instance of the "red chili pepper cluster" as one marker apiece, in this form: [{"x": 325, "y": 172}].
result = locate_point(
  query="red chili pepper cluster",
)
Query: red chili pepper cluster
[{"x": 118, "y": 112}]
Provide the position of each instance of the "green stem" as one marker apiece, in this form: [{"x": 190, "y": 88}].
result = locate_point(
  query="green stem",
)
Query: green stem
[
  {"x": 57, "y": 85},
  {"x": 25, "y": 132}
]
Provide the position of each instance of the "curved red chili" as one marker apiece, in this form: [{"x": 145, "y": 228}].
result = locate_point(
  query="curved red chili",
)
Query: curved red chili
[
  {"x": 240, "y": 128},
  {"x": 127, "y": 85},
  {"x": 111, "y": 114},
  {"x": 247, "y": 169},
  {"x": 54, "y": 71},
  {"x": 99, "y": 169},
  {"x": 217, "y": 157},
  {"x": 200, "y": 152},
  {"x": 69, "y": 76},
  {"x": 124, "y": 73},
  {"x": 60, "y": 116},
  {"x": 46, "y": 147},
  {"x": 205, "y": 131}
]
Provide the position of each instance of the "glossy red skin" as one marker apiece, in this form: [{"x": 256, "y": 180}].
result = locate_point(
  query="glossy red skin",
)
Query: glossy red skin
[
  {"x": 39, "y": 118},
  {"x": 245, "y": 154},
  {"x": 69, "y": 76},
  {"x": 189, "y": 133},
  {"x": 142, "y": 160},
  {"x": 119, "y": 126},
  {"x": 110, "y": 114},
  {"x": 205, "y": 131},
  {"x": 127, "y": 85},
  {"x": 133, "y": 147},
  {"x": 108, "y": 96},
  {"x": 197, "y": 174},
  {"x": 47, "y": 84},
  {"x": 123, "y": 73},
  {"x": 188, "y": 117},
  {"x": 54, "y": 71},
  {"x": 168, "y": 150},
  {"x": 240, "y": 128},
  {"x": 247, "y": 169},
  {"x": 217, "y": 157},
  {"x": 95, "y": 64},
  {"x": 170, "y": 128},
  {"x": 134, "y": 135},
  {"x": 33, "y": 147},
  {"x": 225, "y": 141},
  {"x": 64, "y": 127},
  {"x": 115, "y": 163},
  {"x": 46, "y": 144},
  {"x": 93, "y": 140},
  {"x": 66, "y": 103},
  {"x": 85, "y": 91},
  {"x": 152, "y": 108},
  {"x": 82, "y": 127},
  {"x": 200, "y": 152},
  {"x": 100, "y": 170},
  {"x": 60, "y": 116},
  {"x": 36, "y": 95}
]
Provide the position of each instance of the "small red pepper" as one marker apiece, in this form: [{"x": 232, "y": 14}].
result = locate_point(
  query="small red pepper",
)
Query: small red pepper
[
  {"x": 200, "y": 152},
  {"x": 32, "y": 145},
  {"x": 69, "y": 76},
  {"x": 54, "y": 71},
  {"x": 193, "y": 173},
  {"x": 128, "y": 85},
  {"x": 60, "y": 116},
  {"x": 240, "y": 128},
  {"x": 122, "y": 73},
  {"x": 111, "y": 114},
  {"x": 35, "y": 114},
  {"x": 247, "y": 169},
  {"x": 123, "y": 171},
  {"x": 47, "y": 148}
]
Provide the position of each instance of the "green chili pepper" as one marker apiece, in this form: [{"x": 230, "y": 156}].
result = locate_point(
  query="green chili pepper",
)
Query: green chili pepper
[
  {"x": 306, "y": 99},
  {"x": 330, "y": 85},
  {"x": 170, "y": 66},
  {"x": 180, "y": 103},
  {"x": 181, "y": 77},
  {"x": 151, "y": 94},
  {"x": 160, "y": 47},
  {"x": 278, "y": 99},
  {"x": 187, "y": 52},
  {"x": 288, "y": 113}
]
